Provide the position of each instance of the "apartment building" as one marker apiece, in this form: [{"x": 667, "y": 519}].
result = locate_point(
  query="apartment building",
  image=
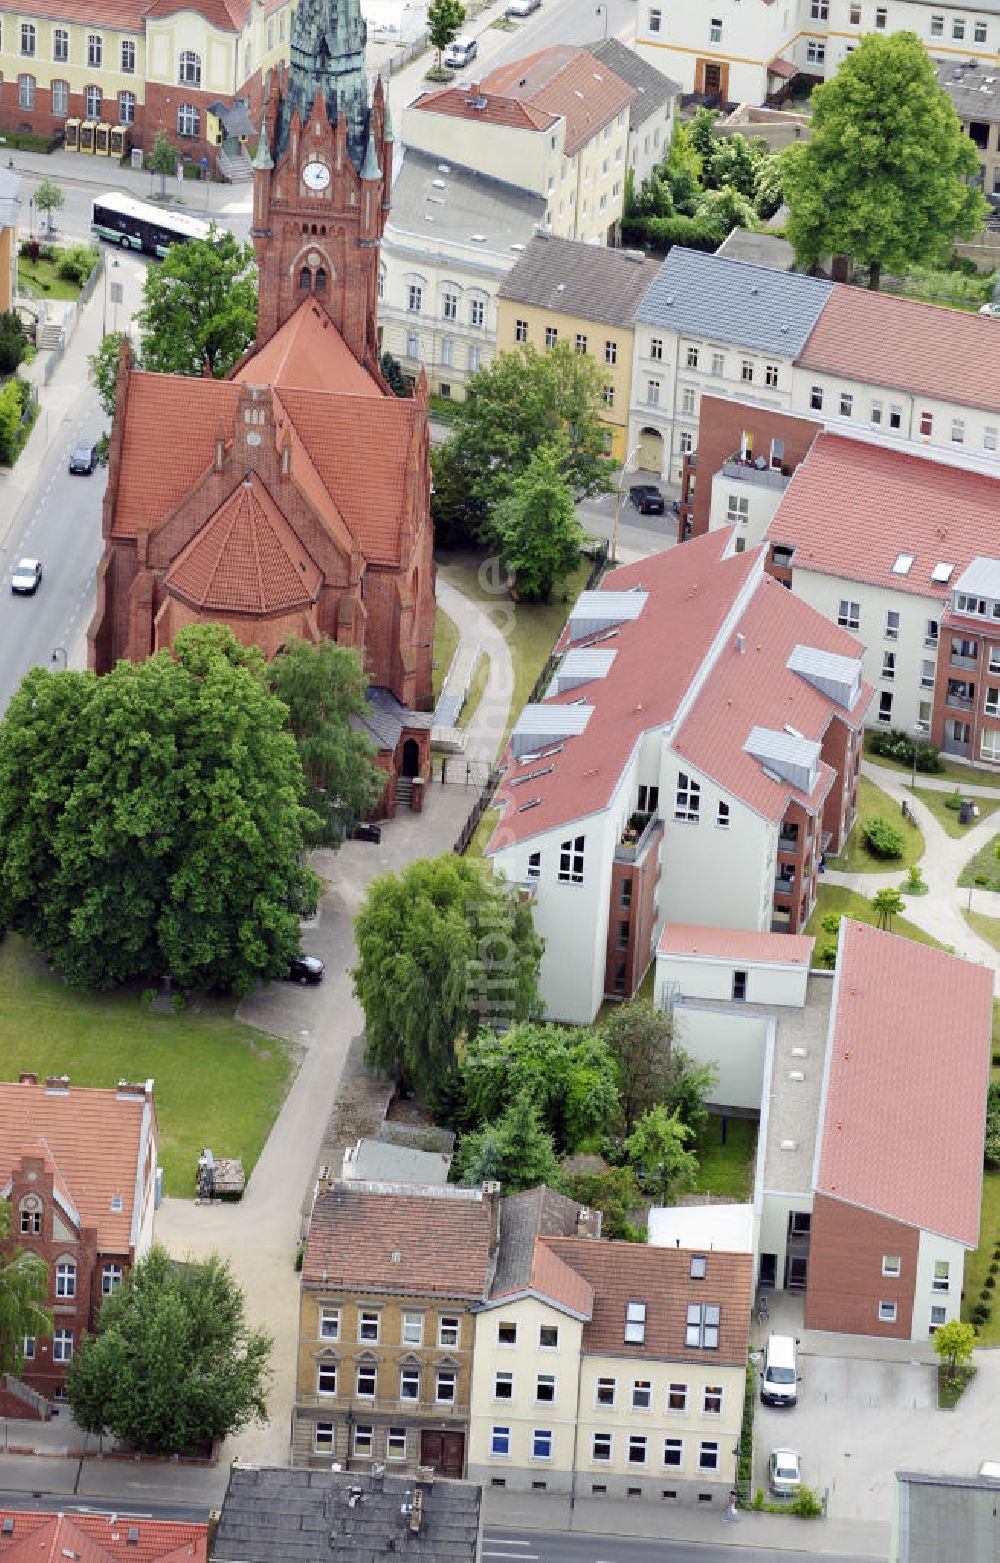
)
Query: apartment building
[
  {"x": 966, "y": 714},
  {"x": 612, "y": 1369},
  {"x": 586, "y": 295},
  {"x": 653, "y": 110},
  {"x": 696, "y": 753},
  {"x": 750, "y": 50},
  {"x": 555, "y": 123},
  {"x": 975, "y": 91}
]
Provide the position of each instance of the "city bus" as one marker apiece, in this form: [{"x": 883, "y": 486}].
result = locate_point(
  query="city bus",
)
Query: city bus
[{"x": 135, "y": 225}]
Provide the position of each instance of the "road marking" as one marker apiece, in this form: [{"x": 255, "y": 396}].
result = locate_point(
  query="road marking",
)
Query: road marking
[
  {"x": 502, "y": 1541},
  {"x": 528, "y": 1557}
]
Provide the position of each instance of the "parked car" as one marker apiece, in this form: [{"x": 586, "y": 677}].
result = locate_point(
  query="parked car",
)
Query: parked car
[
  {"x": 519, "y": 8},
  {"x": 367, "y": 831},
  {"x": 647, "y": 498},
  {"x": 26, "y": 576},
  {"x": 779, "y": 1381},
  {"x": 991, "y": 309},
  {"x": 784, "y": 1473},
  {"x": 83, "y": 458},
  {"x": 460, "y": 52},
  {"x": 306, "y": 968}
]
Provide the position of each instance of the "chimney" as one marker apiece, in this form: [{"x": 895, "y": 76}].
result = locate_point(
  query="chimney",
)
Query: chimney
[
  {"x": 741, "y": 644},
  {"x": 57, "y": 1084},
  {"x": 26, "y": 1077},
  {"x": 417, "y": 1511},
  {"x": 583, "y": 1222},
  {"x": 128, "y": 1089},
  {"x": 491, "y": 1193}
]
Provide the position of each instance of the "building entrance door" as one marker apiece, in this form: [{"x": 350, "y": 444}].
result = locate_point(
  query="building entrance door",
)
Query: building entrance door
[{"x": 443, "y": 1452}]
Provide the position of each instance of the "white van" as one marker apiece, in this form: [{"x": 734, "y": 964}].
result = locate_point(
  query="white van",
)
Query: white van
[
  {"x": 779, "y": 1382},
  {"x": 460, "y": 52}
]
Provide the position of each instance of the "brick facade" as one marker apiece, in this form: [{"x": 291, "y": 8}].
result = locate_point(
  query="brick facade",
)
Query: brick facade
[
  {"x": 965, "y": 721},
  {"x": 632, "y": 917},
  {"x": 722, "y": 425},
  {"x": 845, "y": 1283}
]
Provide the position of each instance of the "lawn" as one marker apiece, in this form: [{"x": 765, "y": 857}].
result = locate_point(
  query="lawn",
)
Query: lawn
[
  {"x": 532, "y": 629},
  {"x": 977, "y": 1264},
  {"x": 39, "y": 279},
  {"x": 948, "y": 818},
  {"x": 856, "y": 858},
  {"x": 217, "y": 1082},
  {"x": 963, "y": 775},
  {"x": 848, "y": 903},
  {"x": 983, "y": 870},
  {"x": 477, "y": 688},
  {"x": 446, "y": 638},
  {"x": 727, "y": 1170},
  {"x": 987, "y": 928}
]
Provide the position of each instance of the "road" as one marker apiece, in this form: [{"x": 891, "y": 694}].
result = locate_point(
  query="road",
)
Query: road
[{"x": 526, "y": 1546}]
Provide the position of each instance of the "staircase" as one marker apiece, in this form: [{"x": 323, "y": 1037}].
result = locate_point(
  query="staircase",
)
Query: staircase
[
  {"x": 234, "y": 164},
  {"x": 404, "y": 792},
  {"x": 21, "y": 1400}
]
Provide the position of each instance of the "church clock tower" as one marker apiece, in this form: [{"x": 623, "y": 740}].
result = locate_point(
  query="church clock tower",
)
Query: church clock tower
[{"x": 322, "y": 177}]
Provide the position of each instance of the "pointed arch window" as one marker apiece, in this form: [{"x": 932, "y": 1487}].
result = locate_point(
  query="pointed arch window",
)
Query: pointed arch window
[
  {"x": 305, "y": 277},
  {"x": 320, "y": 279}
]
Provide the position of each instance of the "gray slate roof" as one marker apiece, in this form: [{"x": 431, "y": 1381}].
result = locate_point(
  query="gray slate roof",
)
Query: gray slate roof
[
  {"x": 378, "y": 1161},
  {"x": 975, "y": 93},
  {"x": 580, "y": 279},
  {"x": 386, "y": 718},
  {"x": 946, "y": 1517},
  {"x": 654, "y": 89},
  {"x": 760, "y": 249},
  {"x": 539, "y": 1212},
  {"x": 305, "y": 1517},
  {"x": 732, "y": 301},
  {"x": 460, "y": 203}
]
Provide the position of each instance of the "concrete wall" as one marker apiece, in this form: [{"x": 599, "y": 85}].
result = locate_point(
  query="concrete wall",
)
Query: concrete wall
[
  {"x": 705, "y": 977},
  {"x": 718, "y": 877},
  {"x": 931, "y": 1250},
  {"x": 733, "y": 1042}
]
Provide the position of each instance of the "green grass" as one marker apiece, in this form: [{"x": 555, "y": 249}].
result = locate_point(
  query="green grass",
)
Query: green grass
[
  {"x": 948, "y": 818},
  {"x": 477, "y": 688},
  {"x": 987, "y": 928},
  {"x": 532, "y": 629},
  {"x": 727, "y": 1170},
  {"x": 856, "y": 858},
  {"x": 39, "y": 278},
  {"x": 967, "y": 775},
  {"x": 849, "y": 903},
  {"x": 977, "y": 1264},
  {"x": 983, "y": 870},
  {"x": 217, "y": 1082},
  {"x": 446, "y": 638}
]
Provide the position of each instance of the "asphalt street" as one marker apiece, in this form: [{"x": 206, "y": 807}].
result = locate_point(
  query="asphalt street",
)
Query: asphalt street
[{"x": 509, "y": 1546}]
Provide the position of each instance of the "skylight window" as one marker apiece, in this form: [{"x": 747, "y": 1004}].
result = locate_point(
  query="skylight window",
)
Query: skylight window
[
  {"x": 635, "y": 1322},
  {"x": 941, "y": 573},
  {"x": 903, "y": 564}
]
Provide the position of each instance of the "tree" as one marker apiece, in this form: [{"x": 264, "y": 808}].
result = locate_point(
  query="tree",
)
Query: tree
[
  {"x": 954, "y": 1343},
  {"x": 13, "y": 341},
  {"x": 24, "y": 1286},
  {"x": 652, "y": 1071},
  {"x": 199, "y": 306},
  {"x": 657, "y": 1150},
  {"x": 444, "y": 948},
  {"x": 515, "y": 1151},
  {"x": 48, "y": 199},
  {"x": 392, "y": 374},
  {"x": 104, "y": 369},
  {"x": 444, "y": 19},
  {"x": 519, "y": 402},
  {"x": 886, "y": 905},
  {"x": 885, "y": 175},
  {"x": 538, "y": 525},
  {"x": 163, "y": 159},
  {"x": 616, "y": 1193},
  {"x": 11, "y": 413},
  {"x": 567, "y": 1074},
  {"x": 151, "y": 820},
  {"x": 324, "y": 688},
  {"x": 174, "y": 1365}
]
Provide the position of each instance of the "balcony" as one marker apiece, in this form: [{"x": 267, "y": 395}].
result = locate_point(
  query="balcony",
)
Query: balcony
[
  {"x": 959, "y": 702},
  {"x": 367, "y": 1405},
  {"x": 636, "y": 837},
  {"x": 741, "y": 471},
  {"x": 956, "y": 660},
  {"x": 788, "y": 843},
  {"x": 784, "y": 887}
]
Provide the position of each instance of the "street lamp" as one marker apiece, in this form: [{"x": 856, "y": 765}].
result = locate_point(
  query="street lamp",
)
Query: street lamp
[
  {"x": 60, "y": 651},
  {"x": 916, "y": 734},
  {"x": 115, "y": 294},
  {"x": 597, "y": 11},
  {"x": 618, "y": 503}
]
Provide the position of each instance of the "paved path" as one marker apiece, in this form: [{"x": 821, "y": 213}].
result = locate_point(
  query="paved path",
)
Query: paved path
[
  {"x": 485, "y": 630},
  {"x": 939, "y": 912}
]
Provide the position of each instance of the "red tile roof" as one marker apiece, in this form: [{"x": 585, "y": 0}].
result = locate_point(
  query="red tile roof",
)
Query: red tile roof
[
  {"x": 925, "y": 349},
  {"x": 907, "y": 1073},
  {"x": 756, "y": 688},
  {"x": 497, "y": 109},
  {"x": 95, "y": 1140},
  {"x": 521, "y": 78},
  {"x": 581, "y": 89},
  {"x": 621, "y": 1273},
  {"x": 168, "y": 443},
  {"x": 92, "y": 1538},
  {"x": 229, "y": 15},
  {"x": 307, "y": 353},
  {"x": 852, "y": 508},
  {"x": 246, "y": 559},
  {"x": 780, "y": 67},
  {"x": 738, "y": 944},
  {"x": 130, "y": 15},
  {"x": 553, "y": 1278},
  {"x": 441, "y": 1239}
]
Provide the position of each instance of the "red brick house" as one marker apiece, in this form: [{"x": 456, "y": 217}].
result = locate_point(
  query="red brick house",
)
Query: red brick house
[
  {"x": 293, "y": 497},
  {"x": 78, "y": 1166}
]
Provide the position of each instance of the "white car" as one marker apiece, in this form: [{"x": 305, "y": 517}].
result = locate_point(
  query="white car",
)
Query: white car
[
  {"x": 991, "y": 309},
  {"x": 784, "y": 1473},
  {"x": 460, "y": 52},
  {"x": 518, "y": 8},
  {"x": 26, "y": 576}
]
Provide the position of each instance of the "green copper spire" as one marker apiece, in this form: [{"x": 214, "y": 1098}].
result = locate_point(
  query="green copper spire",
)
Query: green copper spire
[
  {"x": 262, "y": 157},
  {"x": 370, "y": 169},
  {"x": 327, "y": 54}
]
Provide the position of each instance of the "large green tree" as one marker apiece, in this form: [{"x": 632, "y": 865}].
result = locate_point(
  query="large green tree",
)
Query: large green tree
[
  {"x": 104, "y": 369},
  {"x": 48, "y": 199},
  {"x": 885, "y": 174},
  {"x": 516, "y": 1151},
  {"x": 13, "y": 341},
  {"x": 521, "y": 401},
  {"x": 538, "y": 525},
  {"x": 151, "y": 820},
  {"x": 324, "y": 688},
  {"x": 652, "y": 1070},
  {"x": 174, "y": 1365},
  {"x": 658, "y": 1151},
  {"x": 199, "y": 306},
  {"x": 568, "y": 1074},
  {"x": 444, "y": 19},
  {"x": 24, "y": 1286},
  {"x": 444, "y": 948}
]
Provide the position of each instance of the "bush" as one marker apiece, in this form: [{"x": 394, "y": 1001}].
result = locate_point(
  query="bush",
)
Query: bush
[
  {"x": 896, "y": 744},
  {"x": 807, "y": 1504},
  {"x": 989, "y": 1283},
  {"x": 953, "y": 800},
  {"x": 883, "y": 839},
  {"x": 76, "y": 264}
]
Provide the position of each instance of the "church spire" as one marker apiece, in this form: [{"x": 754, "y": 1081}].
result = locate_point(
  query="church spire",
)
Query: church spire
[{"x": 327, "y": 55}]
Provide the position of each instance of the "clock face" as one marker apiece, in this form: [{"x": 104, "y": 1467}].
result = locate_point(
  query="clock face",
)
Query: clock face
[{"x": 316, "y": 176}]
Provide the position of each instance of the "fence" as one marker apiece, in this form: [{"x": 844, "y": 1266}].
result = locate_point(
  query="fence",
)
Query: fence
[
  {"x": 71, "y": 320},
  {"x": 479, "y": 808},
  {"x": 421, "y": 42}
]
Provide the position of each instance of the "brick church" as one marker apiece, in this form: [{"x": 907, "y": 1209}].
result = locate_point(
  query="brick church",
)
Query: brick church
[{"x": 292, "y": 497}]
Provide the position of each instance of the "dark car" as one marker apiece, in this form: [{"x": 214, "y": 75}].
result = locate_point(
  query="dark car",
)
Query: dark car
[
  {"x": 647, "y": 498},
  {"x": 367, "y": 831},
  {"x": 83, "y": 459},
  {"x": 306, "y": 968},
  {"x": 25, "y": 577}
]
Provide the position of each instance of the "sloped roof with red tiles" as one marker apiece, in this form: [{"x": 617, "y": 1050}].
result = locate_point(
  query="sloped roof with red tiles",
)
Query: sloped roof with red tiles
[
  {"x": 755, "y": 688},
  {"x": 907, "y": 1072},
  {"x": 620, "y": 1273},
  {"x": 520, "y": 78},
  {"x": 551, "y": 1277},
  {"x": 496, "y": 110},
  {"x": 228, "y": 15},
  {"x": 738, "y": 944},
  {"x": 307, "y": 353},
  {"x": 852, "y": 508},
  {"x": 246, "y": 559},
  {"x": 441, "y": 1240},
  {"x": 126, "y": 15},
  {"x": 926, "y": 349},
  {"x": 93, "y": 1538},
  {"x": 96, "y": 1140},
  {"x": 168, "y": 443},
  {"x": 691, "y": 592},
  {"x": 580, "y": 89}
]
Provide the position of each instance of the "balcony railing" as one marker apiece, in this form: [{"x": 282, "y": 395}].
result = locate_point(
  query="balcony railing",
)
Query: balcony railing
[
  {"x": 784, "y": 887},
  {"x": 958, "y": 661},
  {"x": 741, "y": 471},
  {"x": 959, "y": 702},
  {"x": 631, "y": 848},
  {"x": 788, "y": 843},
  {"x": 394, "y": 1404}
]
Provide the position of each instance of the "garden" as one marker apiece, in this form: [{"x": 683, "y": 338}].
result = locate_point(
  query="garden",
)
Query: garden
[{"x": 882, "y": 837}]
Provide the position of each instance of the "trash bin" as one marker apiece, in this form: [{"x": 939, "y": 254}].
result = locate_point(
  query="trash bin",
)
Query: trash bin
[{"x": 966, "y": 811}]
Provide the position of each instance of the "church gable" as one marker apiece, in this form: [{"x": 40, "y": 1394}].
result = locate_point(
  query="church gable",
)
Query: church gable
[
  {"x": 307, "y": 353},
  {"x": 245, "y": 559}
]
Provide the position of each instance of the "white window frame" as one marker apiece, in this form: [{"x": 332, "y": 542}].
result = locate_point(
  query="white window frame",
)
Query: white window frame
[{"x": 887, "y": 1310}]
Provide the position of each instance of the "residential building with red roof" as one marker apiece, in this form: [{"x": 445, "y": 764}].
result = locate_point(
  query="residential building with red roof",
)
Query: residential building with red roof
[
  {"x": 695, "y": 754},
  {"x": 78, "y": 1166},
  {"x": 30, "y": 1537},
  {"x": 292, "y": 497},
  {"x": 612, "y": 1369}
]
